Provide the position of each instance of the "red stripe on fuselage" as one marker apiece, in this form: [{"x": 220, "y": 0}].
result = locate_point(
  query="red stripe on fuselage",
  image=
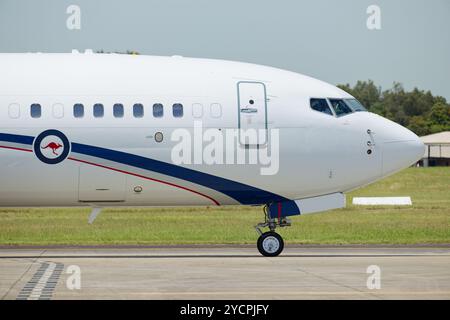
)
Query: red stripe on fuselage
[
  {"x": 19, "y": 149},
  {"x": 129, "y": 173},
  {"x": 147, "y": 178}
]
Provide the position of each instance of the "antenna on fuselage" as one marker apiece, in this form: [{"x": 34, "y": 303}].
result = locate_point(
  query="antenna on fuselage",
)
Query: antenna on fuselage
[{"x": 94, "y": 214}]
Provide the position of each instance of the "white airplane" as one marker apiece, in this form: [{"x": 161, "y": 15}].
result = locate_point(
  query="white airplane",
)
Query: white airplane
[{"x": 102, "y": 129}]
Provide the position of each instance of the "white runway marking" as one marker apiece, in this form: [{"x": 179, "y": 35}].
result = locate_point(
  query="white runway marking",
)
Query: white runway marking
[{"x": 43, "y": 282}]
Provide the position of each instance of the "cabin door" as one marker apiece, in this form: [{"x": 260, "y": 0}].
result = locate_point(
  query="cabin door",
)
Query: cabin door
[{"x": 252, "y": 108}]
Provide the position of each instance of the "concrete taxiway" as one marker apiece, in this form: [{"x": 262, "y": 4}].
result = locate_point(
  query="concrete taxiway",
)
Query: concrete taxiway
[{"x": 225, "y": 273}]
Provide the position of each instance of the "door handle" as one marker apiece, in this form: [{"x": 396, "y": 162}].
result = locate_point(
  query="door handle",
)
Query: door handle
[{"x": 249, "y": 110}]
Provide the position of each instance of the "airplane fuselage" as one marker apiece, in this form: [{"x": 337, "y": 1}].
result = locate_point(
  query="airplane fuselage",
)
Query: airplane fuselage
[{"x": 83, "y": 129}]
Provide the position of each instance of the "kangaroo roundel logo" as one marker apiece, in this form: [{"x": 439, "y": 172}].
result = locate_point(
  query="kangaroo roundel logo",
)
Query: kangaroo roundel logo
[{"x": 51, "y": 146}]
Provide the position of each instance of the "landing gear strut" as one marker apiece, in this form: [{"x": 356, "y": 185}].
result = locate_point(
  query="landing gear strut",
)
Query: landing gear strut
[{"x": 270, "y": 243}]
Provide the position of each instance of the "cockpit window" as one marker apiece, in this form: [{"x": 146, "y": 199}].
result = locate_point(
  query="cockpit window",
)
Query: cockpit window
[
  {"x": 340, "y": 107},
  {"x": 355, "y": 105},
  {"x": 320, "y": 105}
]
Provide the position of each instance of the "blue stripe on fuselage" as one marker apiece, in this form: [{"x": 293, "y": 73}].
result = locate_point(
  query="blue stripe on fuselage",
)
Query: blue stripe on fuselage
[
  {"x": 242, "y": 193},
  {"x": 16, "y": 138}
]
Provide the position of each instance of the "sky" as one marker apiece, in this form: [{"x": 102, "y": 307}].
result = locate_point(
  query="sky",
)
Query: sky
[{"x": 325, "y": 39}]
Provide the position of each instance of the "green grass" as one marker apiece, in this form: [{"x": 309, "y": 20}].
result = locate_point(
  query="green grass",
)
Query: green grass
[{"x": 427, "y": 221}]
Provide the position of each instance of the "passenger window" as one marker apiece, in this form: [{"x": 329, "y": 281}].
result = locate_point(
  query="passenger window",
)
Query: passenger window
[
  {"x": 320, "y": 105},
  {"x": 58, "y": 110},
  {"x": 118, "y": 110},
  {"x": 78, "y": 110},
  {"x": 138, "y": 110},
  {"x": 14, "y": 110},
  {"x": 99, "y": 111},
  {"x": 158, "y": 110},
  {"x": 35, "y": 110},
  {"x": 197, "y": 110},
  {"x": 215, "y": 110},
  {"x": 340, "y": 107},
  {"x": 177, "y": 110}
]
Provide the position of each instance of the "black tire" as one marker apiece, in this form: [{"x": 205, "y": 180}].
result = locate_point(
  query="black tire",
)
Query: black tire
[{"x": 270, "y": 244}]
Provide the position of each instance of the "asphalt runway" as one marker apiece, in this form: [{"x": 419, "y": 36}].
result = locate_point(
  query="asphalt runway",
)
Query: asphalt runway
[{"x": 225, "y": 273}]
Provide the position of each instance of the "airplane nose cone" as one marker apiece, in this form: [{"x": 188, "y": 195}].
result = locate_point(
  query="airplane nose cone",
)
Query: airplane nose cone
[{"x": 402, "y": 151}]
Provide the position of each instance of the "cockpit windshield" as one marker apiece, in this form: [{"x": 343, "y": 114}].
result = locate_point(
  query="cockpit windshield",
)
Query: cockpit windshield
[
  {"x": 355, "y": 105},
  {"x": 340, "y": 107},
  {"x": 345, "y": 106}
]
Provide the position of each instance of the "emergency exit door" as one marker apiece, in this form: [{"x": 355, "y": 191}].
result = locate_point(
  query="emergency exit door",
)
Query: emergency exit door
[{"x": 252, "y": 113}]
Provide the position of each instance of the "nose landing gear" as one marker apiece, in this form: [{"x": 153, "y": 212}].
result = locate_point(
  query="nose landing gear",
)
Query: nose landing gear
[{"x": 270, "y": 243}]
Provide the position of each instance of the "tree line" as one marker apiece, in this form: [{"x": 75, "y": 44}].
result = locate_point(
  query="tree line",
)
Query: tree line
[{"x": 417, "y": 110}]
